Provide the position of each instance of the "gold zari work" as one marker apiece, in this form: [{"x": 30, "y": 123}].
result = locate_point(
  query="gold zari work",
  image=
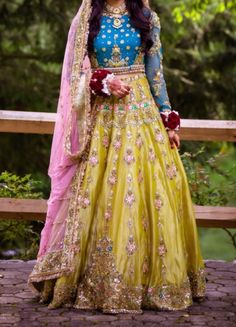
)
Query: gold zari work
[{"x": 131, "y": 238}]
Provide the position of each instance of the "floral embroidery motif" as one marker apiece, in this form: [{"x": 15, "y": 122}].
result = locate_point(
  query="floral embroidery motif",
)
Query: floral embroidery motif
[
  {"x": 105, "y": 141},
  {"x": 104, "y": 245},
  {"x": 117, "y": 143},
  {"x": 132, "y": 96},
  {"x": 162, "y": 249},
  {"x": 116, "y": 59},
  {"x": 129, "y": 157},
  {"x": 129, "y": 198},
  {"x": 141, "y": 91},
  {"x": 139, "y": 141},
  {"x": 84, "y": 201},
  {"x": 158, "y": 201},
  {"x": 151, "y": 155},
  {"x": 108, "y": 214},
  {"x": 112, "y": 179},
  {"x": 131, "y": 246},
  {"x": 93, "y": 160},
  {"x": 159, "y": 137},
  {"x": 171, "y": 170}
]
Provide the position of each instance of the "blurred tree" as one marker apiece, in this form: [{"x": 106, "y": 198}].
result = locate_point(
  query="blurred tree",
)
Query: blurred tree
[{"x": 200, "y": 53}]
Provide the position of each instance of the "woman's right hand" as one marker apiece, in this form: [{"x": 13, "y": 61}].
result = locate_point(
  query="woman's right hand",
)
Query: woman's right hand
[{"x": 118, "y": 88}]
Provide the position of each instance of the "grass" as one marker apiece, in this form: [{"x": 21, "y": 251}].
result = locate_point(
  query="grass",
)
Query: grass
[{"x": 216, "y": 244}]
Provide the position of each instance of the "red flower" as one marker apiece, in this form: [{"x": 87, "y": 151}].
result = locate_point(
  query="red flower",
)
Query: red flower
[
  {"x": 171, "y": 120},
  {"x": 96, "y": 81}
]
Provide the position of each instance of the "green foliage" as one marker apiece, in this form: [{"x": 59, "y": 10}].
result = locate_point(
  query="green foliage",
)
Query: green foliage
[
  {"x": 200, "y": 169},
  {"x": 216, "y": 244},
  {"x": 13, "y": 186},
  {"x": 19, "y": 237},
  {"x": 22, "y": 237},
  {"x": 199, "y": 42},
  {"x": 212, "y": 181}
]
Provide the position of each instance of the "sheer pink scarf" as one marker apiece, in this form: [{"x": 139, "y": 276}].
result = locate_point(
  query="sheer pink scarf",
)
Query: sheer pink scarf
[{"x": 70, "y": 132}]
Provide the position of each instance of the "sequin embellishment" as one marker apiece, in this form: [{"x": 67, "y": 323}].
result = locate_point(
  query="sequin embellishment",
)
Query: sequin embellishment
[
  {"x": 171, "y": 170},
  {"x": 131, "y": 247},
  {"x": 129, "y": 157},
  {"x": 129, "y": 198}
]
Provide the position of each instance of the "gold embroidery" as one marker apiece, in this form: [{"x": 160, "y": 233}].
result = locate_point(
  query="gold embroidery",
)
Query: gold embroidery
[
  {"x": 158, "y": 201},
  {"x": 105, "y": 141},
  {"x": 159, "y": 137},
  {"x": 103, "y": 287},
  {"x": 157, "y": 82},
  {"x": 151, "y": 154},
  {"x": 171, "y": 170},
  {"x": 80, "y": 80},
  {"x": 59, "y": 263},
  {"x": 155, "y": 23},
  {"x": 131, "y": 247},
  {"x": 117, "y": 142},
  {"x": 129, "y": 157},
  {"x": 129, "y": 198},
  {"x": 198, "y": 282},
  {"x": 84, "y": 201},
  {"x": 93, "y": 160},
  {"x": 139, "y": 141},
  {"x": 162, "y": 249},
  {"x": 112, "y": 179},
  {"x": 116, "y": 60}
]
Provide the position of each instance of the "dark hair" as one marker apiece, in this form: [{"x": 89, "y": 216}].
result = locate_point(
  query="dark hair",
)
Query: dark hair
[{"x": 139, "y": 16}]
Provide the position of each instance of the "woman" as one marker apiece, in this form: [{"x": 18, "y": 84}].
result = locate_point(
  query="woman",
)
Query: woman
[{"x": 120, "y": 233}]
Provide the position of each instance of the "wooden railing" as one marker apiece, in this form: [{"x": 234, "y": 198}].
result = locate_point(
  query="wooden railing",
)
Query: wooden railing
[{"x": 43, "y": 123}]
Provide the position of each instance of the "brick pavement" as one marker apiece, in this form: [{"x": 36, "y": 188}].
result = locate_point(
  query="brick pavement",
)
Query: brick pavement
[{"x": 19, "y": 306}]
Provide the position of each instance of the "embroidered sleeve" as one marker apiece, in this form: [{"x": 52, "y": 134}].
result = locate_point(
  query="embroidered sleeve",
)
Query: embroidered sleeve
[{"x": 154, "y": 67}]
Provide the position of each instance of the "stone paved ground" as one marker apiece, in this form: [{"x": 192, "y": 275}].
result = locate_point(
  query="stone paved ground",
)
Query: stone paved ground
[{"x": 19, "y": 307}]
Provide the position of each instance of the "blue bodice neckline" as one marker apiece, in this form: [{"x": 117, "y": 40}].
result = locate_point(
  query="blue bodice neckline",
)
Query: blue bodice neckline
[{"x": 116, "y": 47}]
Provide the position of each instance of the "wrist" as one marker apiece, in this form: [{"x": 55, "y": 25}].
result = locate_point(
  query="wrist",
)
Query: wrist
[
  {"x": 98, "y": 83},
  {"x": 171, "y": 120},
  {"x": 106, "y": 82}
]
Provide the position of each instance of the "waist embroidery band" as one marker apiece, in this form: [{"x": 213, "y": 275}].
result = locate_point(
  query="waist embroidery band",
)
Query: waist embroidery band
[{"x": 125, "y": 69}]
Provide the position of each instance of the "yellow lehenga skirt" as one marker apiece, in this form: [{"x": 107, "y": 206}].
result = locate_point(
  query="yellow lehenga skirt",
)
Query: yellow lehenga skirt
[{"x": 139, "y": 245}]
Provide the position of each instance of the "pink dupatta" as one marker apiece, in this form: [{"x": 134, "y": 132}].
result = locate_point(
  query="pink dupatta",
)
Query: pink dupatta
[
  {"x": 72, "y": 134},
  {"x": 71, "y": 130}
]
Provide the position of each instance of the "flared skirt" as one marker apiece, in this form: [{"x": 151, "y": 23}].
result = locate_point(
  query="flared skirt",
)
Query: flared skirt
[{"x": 136, "y": 237}]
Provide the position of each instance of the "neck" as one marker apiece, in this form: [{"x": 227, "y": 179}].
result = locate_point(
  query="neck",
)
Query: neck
[{"x": 115, "y": 3}]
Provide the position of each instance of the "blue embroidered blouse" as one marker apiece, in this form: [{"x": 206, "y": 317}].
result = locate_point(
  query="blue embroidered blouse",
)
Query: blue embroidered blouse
[{"x": 116, "y": 47}]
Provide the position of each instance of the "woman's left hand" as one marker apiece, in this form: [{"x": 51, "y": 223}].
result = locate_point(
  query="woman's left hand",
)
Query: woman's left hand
[{"x": 174, "y": 138}]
